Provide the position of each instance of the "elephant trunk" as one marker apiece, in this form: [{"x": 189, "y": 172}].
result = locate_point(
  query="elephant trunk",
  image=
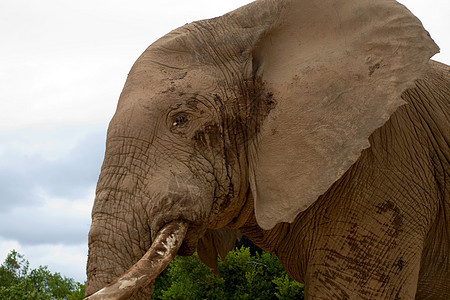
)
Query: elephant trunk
[
  {"x": 154, "y": 261},
  {"x": 133, "y": 203}
]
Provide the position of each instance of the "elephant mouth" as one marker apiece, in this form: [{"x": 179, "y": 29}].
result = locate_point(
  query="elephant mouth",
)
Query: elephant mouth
[
  {"x": 164, "y": 248},
  {"x": 189, "y": 244}
]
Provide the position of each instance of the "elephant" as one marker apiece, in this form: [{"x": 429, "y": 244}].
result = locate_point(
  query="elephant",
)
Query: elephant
[{"x": 318, "y": 129}]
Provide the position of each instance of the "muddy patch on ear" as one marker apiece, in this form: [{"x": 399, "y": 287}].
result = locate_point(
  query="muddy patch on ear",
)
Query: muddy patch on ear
[
  {"x": 373, "y": 68},
  {"x": 257, "y": 103},
  {"x": 179, "y": 76},
  {"x": 245, "y": 112}
]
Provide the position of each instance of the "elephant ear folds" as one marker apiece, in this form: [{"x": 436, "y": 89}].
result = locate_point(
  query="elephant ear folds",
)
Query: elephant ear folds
[
  {"x": 216, "y": 243},
  {"x": 336, "y": 70}
]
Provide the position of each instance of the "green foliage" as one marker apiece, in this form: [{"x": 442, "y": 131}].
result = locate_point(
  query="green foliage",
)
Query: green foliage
[
  {"x": 18, "y": 282},
  {"x": 242, "y": 276},
  {"x": 288, "y": 289}
]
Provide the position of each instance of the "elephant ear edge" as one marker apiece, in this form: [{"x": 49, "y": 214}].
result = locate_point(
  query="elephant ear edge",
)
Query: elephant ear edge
[{"x": 336, "y": 70}]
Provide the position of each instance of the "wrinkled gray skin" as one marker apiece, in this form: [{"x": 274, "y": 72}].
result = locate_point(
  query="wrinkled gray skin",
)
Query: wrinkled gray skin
[{"x": 184, "y": 145}]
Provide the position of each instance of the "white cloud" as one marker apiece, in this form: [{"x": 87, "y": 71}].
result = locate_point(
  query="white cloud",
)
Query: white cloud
[
  {"x": 54, "y": 221},
  {"x": 28, "y": 174},
  {"x": 66, "y": 89},
  {"x": 6, "y": 246},
  {"x": 54, "y": 143}
]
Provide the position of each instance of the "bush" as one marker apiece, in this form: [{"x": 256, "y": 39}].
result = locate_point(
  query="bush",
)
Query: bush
[
  {"x": 242, "y": 276},
  {"x": 18, "y": 282}
]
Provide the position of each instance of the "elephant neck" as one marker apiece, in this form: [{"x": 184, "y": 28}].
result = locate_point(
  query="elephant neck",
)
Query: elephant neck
[{"x": 268, "y": 240}]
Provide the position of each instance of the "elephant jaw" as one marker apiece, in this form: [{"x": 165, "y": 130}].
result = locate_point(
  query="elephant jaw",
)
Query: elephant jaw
[{"x": 164, "y": 248}]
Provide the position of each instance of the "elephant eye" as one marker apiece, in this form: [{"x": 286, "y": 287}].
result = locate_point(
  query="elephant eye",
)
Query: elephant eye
[{"x": 180, "y": 120}]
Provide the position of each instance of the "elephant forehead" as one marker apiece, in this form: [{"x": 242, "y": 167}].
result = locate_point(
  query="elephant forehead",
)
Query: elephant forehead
[
  {"x": 150, "y": 94},
  {"x": 160, "y": 88}
]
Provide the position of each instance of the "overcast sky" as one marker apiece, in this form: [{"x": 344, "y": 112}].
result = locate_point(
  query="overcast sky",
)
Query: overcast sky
[{"x": 62, "y": 67}]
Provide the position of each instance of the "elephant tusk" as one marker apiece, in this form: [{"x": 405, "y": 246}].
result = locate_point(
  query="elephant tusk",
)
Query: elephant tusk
[{"x": 155, "y": 260}]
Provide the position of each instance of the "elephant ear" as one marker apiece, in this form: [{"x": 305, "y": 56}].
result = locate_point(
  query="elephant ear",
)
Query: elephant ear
[
  {"x": 216, "y": 243},
  {"x": 335, "y": 71}
]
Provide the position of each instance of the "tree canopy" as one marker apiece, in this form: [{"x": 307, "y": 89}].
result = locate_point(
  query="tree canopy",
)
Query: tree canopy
[{"x": 19, "y": 282}]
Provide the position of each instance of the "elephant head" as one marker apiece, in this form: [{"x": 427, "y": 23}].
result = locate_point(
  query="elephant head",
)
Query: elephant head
[{"x": 255, "y": 113}]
